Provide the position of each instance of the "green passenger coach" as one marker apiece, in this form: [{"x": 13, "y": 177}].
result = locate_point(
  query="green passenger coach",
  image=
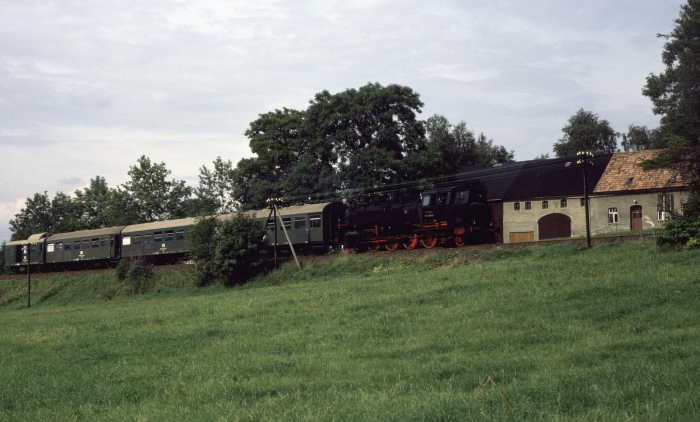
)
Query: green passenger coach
[
  {"x": 86, "y": 246},
  {"x": 162, "y": 240},
  {"x": 313, "y": 228}
]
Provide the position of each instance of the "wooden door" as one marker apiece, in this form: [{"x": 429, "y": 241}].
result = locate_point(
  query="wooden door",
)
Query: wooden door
[
  {"x": 553, "y": 226},
  {"x": 636, "y": 219},
  {"x": 518, "y": 237}
]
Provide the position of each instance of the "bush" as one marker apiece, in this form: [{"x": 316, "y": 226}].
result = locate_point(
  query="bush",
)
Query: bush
[
  {"x": 681, "y": 232},
  {"x": 135, "y": 272},
  {"x": 3, "y": 270},
  {"x": 200, "y": 244},
  {"x": 239, "y": 249}
]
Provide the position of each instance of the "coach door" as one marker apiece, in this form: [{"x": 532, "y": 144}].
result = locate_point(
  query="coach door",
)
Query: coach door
[
  {"x": 315, "y": 228},
  {"x": 636, "y": 219}
]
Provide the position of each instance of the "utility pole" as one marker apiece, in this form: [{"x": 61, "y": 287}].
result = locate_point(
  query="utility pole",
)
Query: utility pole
[{"x": 585, "y": 161}]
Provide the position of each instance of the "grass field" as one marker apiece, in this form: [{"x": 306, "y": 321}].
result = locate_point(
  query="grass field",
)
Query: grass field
[{"x": 560, "y": 333}]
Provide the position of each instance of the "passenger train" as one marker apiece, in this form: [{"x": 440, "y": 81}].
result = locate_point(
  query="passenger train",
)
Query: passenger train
[{"x": 455, "y": 215}]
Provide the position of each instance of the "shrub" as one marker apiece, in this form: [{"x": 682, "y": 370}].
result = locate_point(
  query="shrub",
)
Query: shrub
[
  {"x": 239, "y": 249},
  {"x": 200, "y": 244},
  {"x": 135, "y": 272},
  {"x": 3, "y": 270},
  {"x": 680, "y": 232}
]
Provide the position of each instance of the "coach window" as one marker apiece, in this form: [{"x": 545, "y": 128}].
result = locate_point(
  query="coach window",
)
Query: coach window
[
  {"x": 180, "y": 235},
  {"x": 104, "y": 242},
  {"x": 516, "y": 206},
  {"x": 528, "y": 206},
  {"x": 49, "y": 247},
  {"x": 76, "y": 245},
  {"x": 67, "y": 246},
  {"x": 287, "y": 223},
  {"x": 545, "y": 205},
  {"x": 299, "y": 223},
  {"x": 426, "y": 200},
  {"x": 157, "y": 236},
  {"x": 96, "y": 243},
  {"x": 126, "y": 240},
  {"x": 315, "y": 220},
  {"x": 59, "y": 246},
  {"x": 168, "y": 235},
  {"x": 147, "y": 238},
  {"x": 136, "y": 240}
]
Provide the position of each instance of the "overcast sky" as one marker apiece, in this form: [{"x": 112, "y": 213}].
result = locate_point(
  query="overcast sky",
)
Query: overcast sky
[{"x": 87, "y": 87}]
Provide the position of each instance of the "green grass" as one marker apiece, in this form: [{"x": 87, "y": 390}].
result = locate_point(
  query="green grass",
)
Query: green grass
[{"x": 558, "y": 333}]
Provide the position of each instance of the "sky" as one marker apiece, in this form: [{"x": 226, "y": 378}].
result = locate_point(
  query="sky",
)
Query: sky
[{"x": 87, "y": 87}]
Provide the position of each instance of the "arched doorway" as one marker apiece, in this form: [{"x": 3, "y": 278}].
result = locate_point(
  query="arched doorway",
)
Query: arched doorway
[
  {"x": 554, "y": 225},
  {"x": 636, "y": 218}
]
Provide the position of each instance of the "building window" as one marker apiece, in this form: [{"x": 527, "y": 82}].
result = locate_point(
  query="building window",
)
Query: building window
[
  {"x": 528, "y": 206},
  {"x": 545, "y": 205},
  {"x": 516, "y": 206},
  {"x": 562, "y": 203},
  {"x": 664, "y": 207},
  {"x": 583, "y": 202},
  {"x": 612, "y": 215}
]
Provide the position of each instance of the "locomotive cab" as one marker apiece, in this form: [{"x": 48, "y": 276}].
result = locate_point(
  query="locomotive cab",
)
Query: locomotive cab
[{"x": 458, "y": 213}]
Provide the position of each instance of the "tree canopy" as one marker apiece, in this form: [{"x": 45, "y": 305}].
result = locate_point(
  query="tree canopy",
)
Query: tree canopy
[
  {"x": 586, "y": 132},
  {"x": 675, "y": 93}
]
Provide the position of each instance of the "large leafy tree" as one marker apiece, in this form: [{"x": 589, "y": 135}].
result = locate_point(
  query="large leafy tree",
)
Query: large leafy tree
[
  {"x": 586, "y": 132},
  {"x": 367, "y": 134},
  {"x": 96, "y": 205},
  {"x": 675, "y": 93},
  {"x": 281, "y": 146},
  {"x": 154, "y": 197},
  {"x": 450, "y": 147}
]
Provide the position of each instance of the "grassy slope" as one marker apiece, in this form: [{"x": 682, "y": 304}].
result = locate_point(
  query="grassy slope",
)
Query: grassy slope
[{"x": 564, "y": 333}]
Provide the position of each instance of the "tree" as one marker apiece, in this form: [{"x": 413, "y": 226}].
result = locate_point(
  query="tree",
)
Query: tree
[
  {"x": 451, "y": 147},
  {"x": 586, "y": 132},
  {"x": 367, "y": 134},
  {"x": 36, "y": 217},
  {"x": 153, "y": 197},
  {"x": 94, "y": 204},
  {"x": 637, "y": 138},
  {"x": 675, "y": 93},
  {"x": 214, "y": 195},
  {"x": 284, "y": 165}
]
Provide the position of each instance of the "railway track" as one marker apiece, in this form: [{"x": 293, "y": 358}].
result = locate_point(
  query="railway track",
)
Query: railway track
[{"x": 415, "y": 253}]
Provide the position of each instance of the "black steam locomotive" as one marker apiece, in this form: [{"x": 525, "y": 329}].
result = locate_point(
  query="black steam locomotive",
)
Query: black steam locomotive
[{"x": 455, "y": 215}]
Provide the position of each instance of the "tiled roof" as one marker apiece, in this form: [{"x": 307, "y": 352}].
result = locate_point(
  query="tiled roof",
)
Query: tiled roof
[{"x": 624, "y": 173}]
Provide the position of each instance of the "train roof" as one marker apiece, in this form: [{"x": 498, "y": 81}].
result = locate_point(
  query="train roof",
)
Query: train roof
[
  {"x": 32, "y": 239},
  {"x": 291, "y": 210},
  {"x": 155, "y": 225},
  {"x": 86, "y": 233}
]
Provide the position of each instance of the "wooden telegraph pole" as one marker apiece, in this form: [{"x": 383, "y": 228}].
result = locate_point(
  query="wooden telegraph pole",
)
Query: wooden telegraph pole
[{"x": 585, "y": 161}]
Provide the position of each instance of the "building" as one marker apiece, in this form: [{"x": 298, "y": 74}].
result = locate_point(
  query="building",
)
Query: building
[{"x": 629, "y": 198}]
